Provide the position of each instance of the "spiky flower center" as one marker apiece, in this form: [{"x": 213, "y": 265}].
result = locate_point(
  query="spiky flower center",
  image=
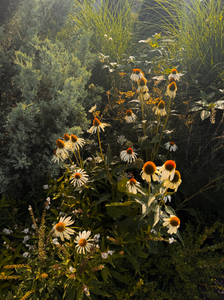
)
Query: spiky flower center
[
  {"x": 132, "y": 181},
  {"x": 172, "y": 144},
  {"x": 170, "y": 165},
  {"x": 176, "y": 177},
  {"x": 128, "y": 112},
  {"x": 136, "y": 71},
  {"x": 129, "y": 151},
  {"x": 174, "y": 71},
  {"x": 172, "y": 86},
  {"x": 142, "y": 81},
  {"x": 74, "y": 138},
  {"x": 60, "y": 227},
  {"x": 77, "y": 175},
  {"x": 174, "y": 221},
  {"x": 82, "y": 242},
  {"x": 96, "y": 122},
  {"x": 66, "y": 137},
  {"x": 60, "y": 144},
  {"x": 161, "y": 104},
  {"x": 149, "y": 168}
]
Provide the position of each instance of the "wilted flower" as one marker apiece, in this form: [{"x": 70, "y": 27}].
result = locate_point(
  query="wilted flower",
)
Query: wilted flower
[
  {"x": 76, "y": 142},
  {"x": 160, "y": 108},
  {"x": 136, "y": 74},
  {"x": 92, "y": 109},
  {"x": 132, "y": 186},
  {"x": 171, "y": 90}
]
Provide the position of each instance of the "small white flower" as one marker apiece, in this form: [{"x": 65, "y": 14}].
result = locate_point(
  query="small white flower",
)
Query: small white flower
[
  {"x": 46, "y": 186},
  {"x": 121, "y": 139},
  {"x": 26, "y": 238},
  {"x": 104, "y": 255},
  {"x": 96, "y": 237},
  {"x": 47, "y": 207},
  {"x": 30, "y": 207},
  {"x": 105, "y": 35},
  {"x": 26, "y": 230},
  {"x": 71, "y": 269},
  {"x": 25, "y": 254},
  {"x": 171, "y": 240},
  {"x": 55, "y": 241},
  {"x": 110, "y": 39},
  {"x": 153, "y": 231},
  {"x": 33, "y": 226},
  {"x": 110, "y": 252},
  {"x": 7, "y": 231},
  {"x": 48, "y": 200}
]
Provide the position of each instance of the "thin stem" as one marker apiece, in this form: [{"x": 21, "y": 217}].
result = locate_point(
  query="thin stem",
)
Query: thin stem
[
  {"x": 142, "y": 106},
  {"x": 164, "y": 126},
  {"x": 80, "y": 158},
  {"x": 157, "y": 130},
  {"x": 76, "y": 157}
]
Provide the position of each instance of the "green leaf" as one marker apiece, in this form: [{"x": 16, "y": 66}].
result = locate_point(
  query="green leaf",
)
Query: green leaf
[
  {"x": 114, "y": 212},
  {"x": 180, "y": 237},
  {"x": 210, "y": 96},
  {"x": 119, "y": 169},
  {"x": 105, "y": 272},
  {"x": 97, "y": 291},
  {"x": 127, "y": 203},
  {"x": 205, "y": 114},
  {"x": 203, "y": 95},
  {"x": 133, "y": 261},
  {"x": 139, "y": 253},
  {"x": 195, "y": 108},
  {"x": 118, "y": 276},
  {"x": 156, "y": 214},
  {"x": 170, "y": 210},
  {"x": 121, "y": 186},
  {"x": 153, "y": 247},
  {"x": 109, "y": 156}
]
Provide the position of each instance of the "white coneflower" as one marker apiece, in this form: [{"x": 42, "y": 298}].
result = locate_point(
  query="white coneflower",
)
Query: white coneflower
[
  {"x": 76, "y": 142},
  {"x": 97, "y": 124},
  {"x": 132, "y": 186},
  {"x": 136, "y": 74},
  {"x": 61, "y": 148},
  {"x": 160, "y": 108},
  {"x": 174, "y": 183},
  {"x": 168, "y": 170},
  {"x": 130, "y": 116},
  {"x": 61, "y": 228},
  {"x": 171, "y": 89},
  {"x": 79, "y": 177},
  {"x": 173, "y": 222},
  {"x": 128, "y": 155},
  {"x": 174, "y": 74},
  {"x": 56, "y": 158},
  {"x": 171, "y": 146},
  {"x": 142, "y": 87},
  {"x": 82, "y": 241},
  {"x": 149, "y": 172}
]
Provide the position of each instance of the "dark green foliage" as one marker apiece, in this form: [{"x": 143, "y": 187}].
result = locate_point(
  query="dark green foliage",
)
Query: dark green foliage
[{"x": 45, "y": 66}]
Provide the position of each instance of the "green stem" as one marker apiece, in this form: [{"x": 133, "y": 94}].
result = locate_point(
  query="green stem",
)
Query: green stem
[
  {"x": 164, "y": 126},
  {"x": 142, "y": 106},
  {"x": 80, "y": 158},
  {"x": 76, "y": 157}
]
